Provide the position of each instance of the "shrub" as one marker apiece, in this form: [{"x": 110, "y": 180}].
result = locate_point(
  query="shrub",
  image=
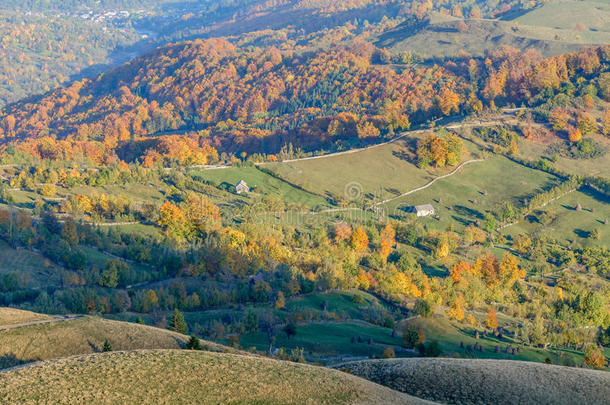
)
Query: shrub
[
  {"x": 433, "y": 349},
  {"x": 594, "y": 357},
  {"x": 422, "y": 308},
  {"x": 410, "y": 336},
  {"x": 388, "y": 353}
]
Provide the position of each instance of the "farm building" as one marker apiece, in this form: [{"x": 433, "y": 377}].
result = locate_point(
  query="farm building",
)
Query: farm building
[
  {"x": 242, "y": 187},
  {"x": 425, "y": 210}
]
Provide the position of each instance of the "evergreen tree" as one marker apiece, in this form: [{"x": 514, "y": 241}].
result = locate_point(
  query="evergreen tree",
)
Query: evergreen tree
[
  {"x": 193, "y": 343},
  {"x": 290, "y": 329},
  {"x": 107, "y": 346},
  {"x": 177, "y": 323}
]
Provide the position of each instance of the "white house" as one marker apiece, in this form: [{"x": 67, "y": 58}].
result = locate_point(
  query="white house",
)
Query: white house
[
  {"x": 242, "y": 187},
  {"x": 425, "y": 210}
]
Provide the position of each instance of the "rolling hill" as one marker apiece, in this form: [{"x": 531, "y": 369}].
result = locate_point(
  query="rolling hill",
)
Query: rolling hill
[
  {"x": 173, "y": 376},
  {"x": 63, "y": 338},
  {"x": 486, "y": 381}
]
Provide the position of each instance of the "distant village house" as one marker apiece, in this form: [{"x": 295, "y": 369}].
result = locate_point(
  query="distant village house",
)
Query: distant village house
[
  {"x": 425, "y": 210},
  {"x": 242, "y": 188}
]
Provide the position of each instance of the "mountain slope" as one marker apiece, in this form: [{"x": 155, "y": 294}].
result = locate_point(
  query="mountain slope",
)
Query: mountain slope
[{"x": 172, "y": 376}]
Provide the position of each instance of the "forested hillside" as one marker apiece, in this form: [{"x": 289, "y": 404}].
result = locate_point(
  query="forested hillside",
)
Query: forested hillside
[
  {"x": 47, "y": 43},
  {"x": 258, "y": 100}
]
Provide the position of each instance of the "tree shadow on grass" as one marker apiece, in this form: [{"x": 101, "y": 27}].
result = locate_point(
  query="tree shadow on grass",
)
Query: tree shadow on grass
[
  {"x": 467, "y": 212},
  {"x": 433, "y": 271},
  {"x": 10, "y": 360},
  {"x": 94, "y": 347},
  {"x": 461, "y": 220},
  {"x": 581, "y": 233}
]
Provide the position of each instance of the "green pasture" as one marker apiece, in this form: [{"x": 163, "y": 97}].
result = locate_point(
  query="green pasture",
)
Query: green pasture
[
  {"x": 449, "y": 334},
  {"x": 260, "y": 183},
  {"x": 476, "y": 188},
  {"x": 328, "y": 339},
  {"x": 569, "y": 224},
  {"x": 377, "y": 173}
]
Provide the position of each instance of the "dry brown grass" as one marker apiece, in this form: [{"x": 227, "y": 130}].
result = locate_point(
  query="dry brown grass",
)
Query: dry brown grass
[
  {"x": 12, "y": 316},
  {"x": 83, "y": 336},
  {"x": 187, "y": 377},
  {"x": 462, "y": 381}
]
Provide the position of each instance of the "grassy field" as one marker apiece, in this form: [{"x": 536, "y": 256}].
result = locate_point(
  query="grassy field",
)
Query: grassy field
[
  {"x": 564, "y": 14},
  {"x": 328, "y": 341},
  {"x": 462, "y": 196},
  {"x": 12, "y": 316},
  {"x": 460, "y": 381},
  {"x": 187, "y": 377},
  {"x": 138, "y": 193},
  {"x": 83, "y": 336},
  {"x": 570, "y": 224},
  {"x": 98, "y": 259},
  {"x": 326, "y": 324},
  {"x": 549, "y": 29},
  {"x": 347, "y": 303},
  {"x": 381, "y": 172},
  {"x": 260, "y": 183},
  {"x": 449, "y": 335},
  {"x": 599, "y": 166}
]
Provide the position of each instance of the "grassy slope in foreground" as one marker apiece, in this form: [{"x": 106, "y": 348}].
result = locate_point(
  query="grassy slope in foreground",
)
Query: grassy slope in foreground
[
  {"x": 83, "y": 336},
  {"x": 487, "y": 381},
  {"x": 180, "y": 376}
]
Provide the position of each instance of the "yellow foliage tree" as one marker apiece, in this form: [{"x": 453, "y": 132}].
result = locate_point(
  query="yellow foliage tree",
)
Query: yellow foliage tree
[
  {"x": 574, "y": 134},
  {"x": 492, "y": 321},
  {"x": 457, "y": 309},
  {"x": 387, "y": 241},
  {"x": 509, "y": 268},
  {"x": 360, "y": 240},
  {"x": 174, "y": 222}
]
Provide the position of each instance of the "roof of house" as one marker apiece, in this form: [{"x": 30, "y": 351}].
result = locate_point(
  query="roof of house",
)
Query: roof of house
[
  {"x": 425, "y": 207},
  {"x": 241, "y": 183}
]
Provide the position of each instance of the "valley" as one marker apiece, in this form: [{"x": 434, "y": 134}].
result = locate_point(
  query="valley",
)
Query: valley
[{"x": 305, "y": 201}]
